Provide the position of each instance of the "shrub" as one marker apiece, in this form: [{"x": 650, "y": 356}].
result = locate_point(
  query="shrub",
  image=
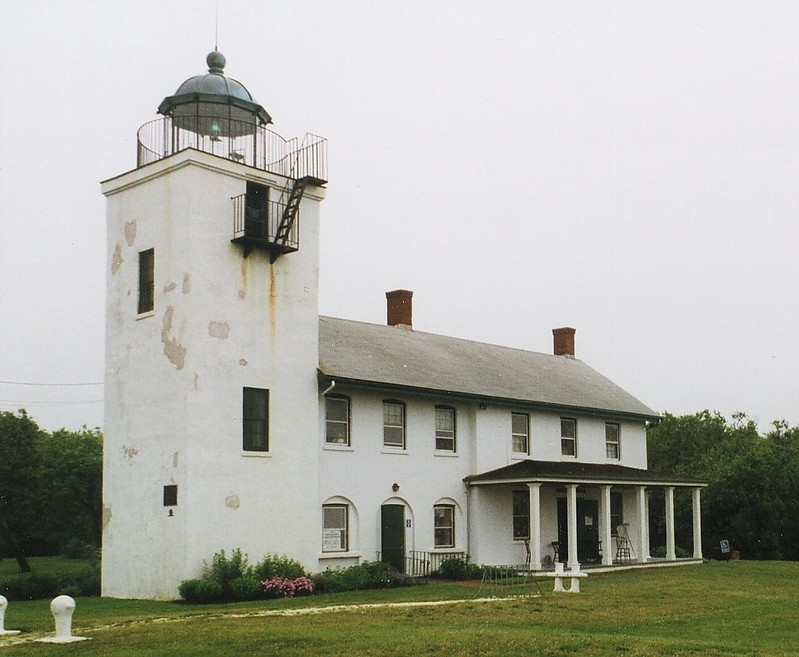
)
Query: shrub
[
  {"x": 78, "y": 549},
  {"x": 223, "y": 570},
  {"x": 84, "y": 580},
  {"x": 368, "y": 575},
  {"x": 659, "y": 552},
  {"x": 30, "y": 586},
  {"x": 279, "y": 587},
  {"x": 275, "y": 566},
  {"x": 459, "y": 568},
  {"x": 246, "y": 588},
  {"x": 201, "y": 591}
]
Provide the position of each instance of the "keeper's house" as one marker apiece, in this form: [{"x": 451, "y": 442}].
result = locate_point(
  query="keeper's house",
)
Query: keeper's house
[{"x": 236, "y": 417}]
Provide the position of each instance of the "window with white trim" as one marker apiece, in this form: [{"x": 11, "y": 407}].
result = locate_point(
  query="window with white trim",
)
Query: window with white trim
[
  {"x": 612, "y": 440},
  {"x": 520, "y": 433},
  {"x": 337, "y": 420},
  {"x": 146, "y": 281},
  {"x": 445, "y": 429},
  {"x": 394, "y": 424},
  {"x": 568, "y": 436},
  {"x": 444, "y": 525},
  {"x": 521, "y": 514},
  {"x": 616, "y": 512},
  {"x": 335, "y": 528},
  {"x": 255, "y": 420}
]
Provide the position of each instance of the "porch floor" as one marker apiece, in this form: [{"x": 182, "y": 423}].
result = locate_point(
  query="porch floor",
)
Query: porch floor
[{"x": 622, "y": 565}]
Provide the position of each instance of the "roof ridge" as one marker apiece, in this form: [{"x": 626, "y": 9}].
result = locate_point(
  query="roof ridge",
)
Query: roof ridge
[{"x": 450, "y": 337}]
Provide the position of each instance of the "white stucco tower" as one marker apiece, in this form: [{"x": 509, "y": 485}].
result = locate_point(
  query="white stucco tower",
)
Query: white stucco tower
[{"x": 211, "y": 411}]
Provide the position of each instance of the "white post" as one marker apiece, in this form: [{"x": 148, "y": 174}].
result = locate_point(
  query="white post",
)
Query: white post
[
  {"x": 3, "y": 606},
  {"x": 643, "y": 525},
  {"x": 62, "y": 608},
  {"x": 571, "y": 514},
  {"x": 671, "y": 552},
  {"x": 535, "y": 526},
  {"x": 696, "y": 494},
  {"x": 604, "y": 525}
]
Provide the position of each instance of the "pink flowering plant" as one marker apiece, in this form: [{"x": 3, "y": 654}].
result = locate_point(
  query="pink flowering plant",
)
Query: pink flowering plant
[{"x": 283, "y": 587}]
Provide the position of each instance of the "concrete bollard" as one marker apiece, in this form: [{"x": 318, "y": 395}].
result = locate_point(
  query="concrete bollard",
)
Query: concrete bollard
[
  {"x": 558, "y": 575},
  {"x": 575, "y": 577},
  {"x": 3, "y": 607},
  {"x": 62, "y": 607}
]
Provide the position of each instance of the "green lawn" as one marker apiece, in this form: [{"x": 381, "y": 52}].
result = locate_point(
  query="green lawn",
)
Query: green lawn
[{"x": 710, "y": 610}]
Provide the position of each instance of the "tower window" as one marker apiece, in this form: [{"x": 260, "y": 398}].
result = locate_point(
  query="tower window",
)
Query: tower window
[
  {"x": 255, "y": 420},
  {"x": 170, "y": 495},
  {"x": 146, "y": 281}
]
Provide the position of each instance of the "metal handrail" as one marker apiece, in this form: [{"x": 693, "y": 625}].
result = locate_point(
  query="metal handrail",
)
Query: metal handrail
[
  {"x": 262, "y": 229},
  {"x": 240, "y": 141}
]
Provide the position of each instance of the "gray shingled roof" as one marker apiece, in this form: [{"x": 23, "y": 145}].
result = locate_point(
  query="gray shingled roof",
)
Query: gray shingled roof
[
  {"x": 397, "y": 357},
  {"x": 577, "y": 472}
]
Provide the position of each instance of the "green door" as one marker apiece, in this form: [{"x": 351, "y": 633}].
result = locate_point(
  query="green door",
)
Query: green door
[
  {"x": 587, "y": 530},
  {"x": 392, "y": 535}
]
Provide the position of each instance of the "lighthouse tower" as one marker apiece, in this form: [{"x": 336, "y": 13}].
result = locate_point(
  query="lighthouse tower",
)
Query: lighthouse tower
[{"x": 211, "y": 412}]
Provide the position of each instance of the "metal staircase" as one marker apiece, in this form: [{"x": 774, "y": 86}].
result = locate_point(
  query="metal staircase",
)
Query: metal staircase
[{"x": 289, "y": 216}]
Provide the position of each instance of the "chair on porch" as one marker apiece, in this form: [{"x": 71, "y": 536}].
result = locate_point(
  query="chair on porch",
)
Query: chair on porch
[
  {"x": 556, "y": 550},
  {"x": 529, "y": 554},
  {"x": 623, "y": 549}
]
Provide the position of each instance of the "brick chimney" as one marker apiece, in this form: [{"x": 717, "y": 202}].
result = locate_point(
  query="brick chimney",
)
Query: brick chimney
[
  {"x": 399, "y": 308},
  {"x": 563, "y": 339}
]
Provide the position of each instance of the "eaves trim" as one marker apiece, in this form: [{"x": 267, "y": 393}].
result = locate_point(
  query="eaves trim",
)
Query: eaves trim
[{"x": 326, "y": 379}]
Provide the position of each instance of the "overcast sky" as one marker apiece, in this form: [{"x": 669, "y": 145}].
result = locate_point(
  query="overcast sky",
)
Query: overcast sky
[{"x": 630, "y": 169}]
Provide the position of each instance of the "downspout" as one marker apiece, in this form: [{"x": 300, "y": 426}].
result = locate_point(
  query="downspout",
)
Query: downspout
[{"x": 332, "y": 385}]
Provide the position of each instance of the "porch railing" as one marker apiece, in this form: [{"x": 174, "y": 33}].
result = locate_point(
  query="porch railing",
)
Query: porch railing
[{"x": 423, "y": 564}]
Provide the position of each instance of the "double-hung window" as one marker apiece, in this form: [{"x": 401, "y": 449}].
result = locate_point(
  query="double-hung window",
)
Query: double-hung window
[
  {"x": 444, "y": 525},
  {"x": 255, "y": 420},
  {"x": 520, "y": 433},
  {"x": 521, "y": 514},
  {"x": 568, "y": 436},
  {"x": 616, "y": 512},
  {"x": 612, "y": 441},
  {"x": 335, "y": 528},
  {"x": 337, "y": 420},
  {"x": 394, "y": 424},
  {"x": 146, "y": 281},
  {"x": 445, "y": 429}
]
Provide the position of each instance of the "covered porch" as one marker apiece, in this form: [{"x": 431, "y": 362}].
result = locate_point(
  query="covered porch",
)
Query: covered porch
[{"x": 537, "y": 513}]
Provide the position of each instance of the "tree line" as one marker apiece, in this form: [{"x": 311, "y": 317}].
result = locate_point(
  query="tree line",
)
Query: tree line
[
  {"x": 752, "y": 497},
  {"x": 51, "y": 484},
  {"x": 51, "y": 488}
]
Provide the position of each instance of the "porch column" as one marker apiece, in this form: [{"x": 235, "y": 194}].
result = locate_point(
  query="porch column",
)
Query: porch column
[
  {"x": 535, "y": 526},
  {"x": 696, "y": 497},
  {"x": 604, "y": 525},
  {"x": 643, "y": 525},
  {"x": 671, "y": 552},
  {"x": 571, "y": 515}
]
